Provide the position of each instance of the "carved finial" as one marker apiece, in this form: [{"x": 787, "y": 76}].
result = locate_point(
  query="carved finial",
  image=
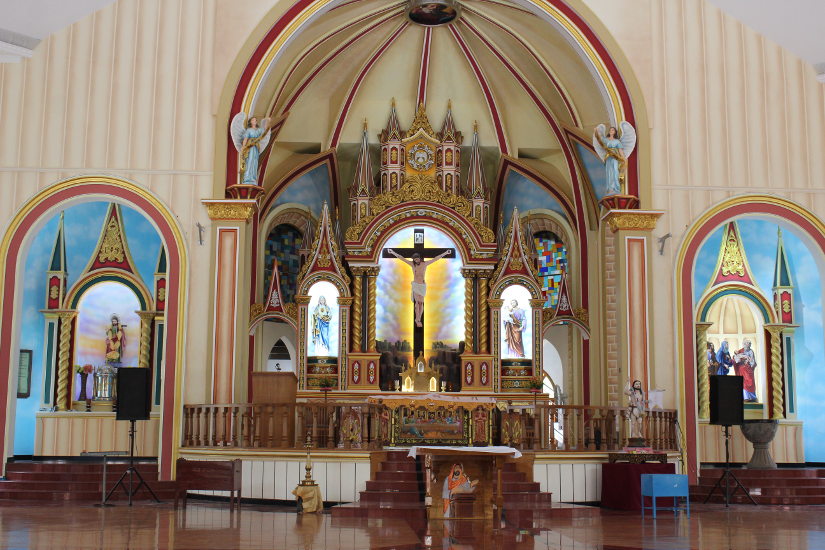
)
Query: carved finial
[
  {"x": 475, "y": 126},
  {"x": 365, "y": 124},
  {"x": 449, "y": 103}
]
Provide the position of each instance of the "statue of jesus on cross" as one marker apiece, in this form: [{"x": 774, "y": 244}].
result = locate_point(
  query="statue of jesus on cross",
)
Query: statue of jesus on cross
[
  {"x": 419, "y": 286},
  {"x": 419, "y": 262}
]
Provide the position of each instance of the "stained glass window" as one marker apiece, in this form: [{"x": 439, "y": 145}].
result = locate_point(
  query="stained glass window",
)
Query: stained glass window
[
  {"x": 552, "y": 264},
  {"x": 283, "y": 243}
]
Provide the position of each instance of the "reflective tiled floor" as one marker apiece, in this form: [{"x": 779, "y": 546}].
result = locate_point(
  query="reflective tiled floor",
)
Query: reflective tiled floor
[{"x": 208, "y": 525}]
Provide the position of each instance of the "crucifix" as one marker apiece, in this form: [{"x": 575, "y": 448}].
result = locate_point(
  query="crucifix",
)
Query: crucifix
[{"x": 418, "y": 262}]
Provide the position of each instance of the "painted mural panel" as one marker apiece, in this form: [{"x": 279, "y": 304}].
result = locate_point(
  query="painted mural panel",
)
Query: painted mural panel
[
  {"x": 309, "y": 190},
  {"x": 323, "y": 319},
  {"x": 517, "y": 329},
  {"x": 108, "y": 329},
  {"x": 526, "y": 194}
]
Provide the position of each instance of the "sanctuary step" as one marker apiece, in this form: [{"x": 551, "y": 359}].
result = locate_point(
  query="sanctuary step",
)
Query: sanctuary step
[
  {"x": 77, "y": 481},
  {"x": 782, "y": 486},
  {"x": 397, "y": 491}
]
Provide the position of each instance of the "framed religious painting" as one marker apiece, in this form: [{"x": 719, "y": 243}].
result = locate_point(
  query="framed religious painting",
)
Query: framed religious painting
[{"x": 421, "y": 426}]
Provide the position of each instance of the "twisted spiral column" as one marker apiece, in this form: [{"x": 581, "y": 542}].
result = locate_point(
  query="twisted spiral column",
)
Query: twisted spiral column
[
  {"x": 702, "y": 375},
  {"x": 146, "y": 319},
  {"x": 468, "y": 309},
  {"x": 483, "y": 314},
  {"x": 356, "y": 309},
  {"x": 372, "y": 279},
  {"x": 64, "y": 359},
  {"x": 777, "y": 383}
]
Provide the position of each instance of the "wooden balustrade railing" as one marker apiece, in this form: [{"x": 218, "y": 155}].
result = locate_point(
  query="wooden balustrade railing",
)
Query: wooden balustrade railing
[{"x": 359, "y": 425}]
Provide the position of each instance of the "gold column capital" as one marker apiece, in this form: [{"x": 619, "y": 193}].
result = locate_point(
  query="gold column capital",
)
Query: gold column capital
[
  {"x": 301, "y": 300},
  {"x": 537, "y": 303},
  {"x": 230, "y": 209},
  {"x": 632, "y": 220},
  {"x": 495, "y": 303},
  {"x": 345, "y": 300}
]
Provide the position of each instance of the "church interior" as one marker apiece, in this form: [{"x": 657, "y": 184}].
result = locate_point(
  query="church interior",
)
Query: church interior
[{"x": 412, "y": 274}]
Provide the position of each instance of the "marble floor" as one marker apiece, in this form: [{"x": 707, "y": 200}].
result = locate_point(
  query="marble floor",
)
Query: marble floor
[{"x": 211, "y": 526}]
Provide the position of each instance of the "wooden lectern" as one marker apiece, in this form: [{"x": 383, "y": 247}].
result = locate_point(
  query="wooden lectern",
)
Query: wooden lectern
[{"x": 274, "y": 387}]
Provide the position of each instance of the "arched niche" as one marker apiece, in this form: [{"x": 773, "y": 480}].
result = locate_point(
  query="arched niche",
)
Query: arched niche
[{"x": 14, "y": 247}]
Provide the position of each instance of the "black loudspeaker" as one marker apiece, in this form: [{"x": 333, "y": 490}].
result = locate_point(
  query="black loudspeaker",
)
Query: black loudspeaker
[
  {"x": 133, "y": 390},
  {"x": 726, "y": 404}
]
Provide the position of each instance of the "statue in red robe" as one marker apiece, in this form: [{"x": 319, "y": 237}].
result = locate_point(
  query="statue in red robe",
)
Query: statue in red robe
[{"x": 744, "y": 363}]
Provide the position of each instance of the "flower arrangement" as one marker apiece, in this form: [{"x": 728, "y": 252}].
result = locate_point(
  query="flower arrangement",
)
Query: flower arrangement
[
  {"x": 535, "y": 383},
  {"x": 326, "y": 382}
]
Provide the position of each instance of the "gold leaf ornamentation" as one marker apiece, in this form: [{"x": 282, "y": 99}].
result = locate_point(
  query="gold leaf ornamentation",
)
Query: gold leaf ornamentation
[
  {"x": 421, "y": 122},
  {"x": 419, "y": 187},
  {"x": 582, "y": 315},
  {"x": 54, "y": 292},
  {"x": 111, "y": 249},
  {"x": 323, "y": 260},
  {"x": 255, "y": 310},
  {"x": 516, "y": 264},
  {"x": 161, "y": 294},
  {"x": 228, "y": 211},
  {"x": 638, "y": 221},
  {"x": 732, "y": 260}
]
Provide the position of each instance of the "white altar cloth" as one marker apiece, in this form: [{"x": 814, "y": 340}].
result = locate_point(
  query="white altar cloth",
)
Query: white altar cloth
[{"x": 500, "y": 450}]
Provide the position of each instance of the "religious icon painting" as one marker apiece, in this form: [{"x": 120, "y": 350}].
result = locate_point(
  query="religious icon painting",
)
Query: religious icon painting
[
  {"x": 429, "y": 13},
  {"x": 108, "y": 329},
  {"x": 516, "y": 327},
  {"x": 322, "y": 320}
]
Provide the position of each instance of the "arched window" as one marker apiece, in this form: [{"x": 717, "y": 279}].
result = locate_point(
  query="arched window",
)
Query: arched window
[
  {"x": 552, "y": 264},
  {"x": 279, "y": 358},
  {"x": 283, "y": 243}
]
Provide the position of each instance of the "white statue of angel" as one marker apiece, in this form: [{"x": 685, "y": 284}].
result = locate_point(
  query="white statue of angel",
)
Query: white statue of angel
[
  {"x": 250, "y": 139},
  {"x": 614, "y": 149}
]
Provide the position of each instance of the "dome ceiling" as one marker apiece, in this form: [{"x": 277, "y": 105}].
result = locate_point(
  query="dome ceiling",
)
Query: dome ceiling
[{"x": 498, "y": 63}]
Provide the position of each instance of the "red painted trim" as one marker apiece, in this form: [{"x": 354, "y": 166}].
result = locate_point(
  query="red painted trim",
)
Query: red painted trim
[
  {"x": 315, "y": 46},
  {"x": 168, "y": 437},
  {"x": 308, "y": 80},
  {"x": 686, "y": 306},
  {"x": 339, "y": 126},
  {"x": 535, "y": 57},
  {"x": 485, "y": 88},
  {"x": 252, "y": 287},
  {"x": 425, "y": 67}
]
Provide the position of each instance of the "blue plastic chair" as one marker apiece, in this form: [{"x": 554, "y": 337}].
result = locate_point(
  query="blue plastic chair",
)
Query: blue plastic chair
[{"x": 665, "y": 485}]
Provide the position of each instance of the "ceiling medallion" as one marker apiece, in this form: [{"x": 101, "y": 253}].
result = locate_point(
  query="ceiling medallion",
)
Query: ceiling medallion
[{"x": 433, "y": 13}]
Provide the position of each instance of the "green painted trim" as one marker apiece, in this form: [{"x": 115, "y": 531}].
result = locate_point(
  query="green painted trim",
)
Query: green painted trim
[
  {"x": 789, "y": 365},
  {"x": 754, "y": 406},
  {"x": 106, "y": 278},
  {"x": 50, "y": 362},
  {"x": 750, "y": 296},
  {"x": 158, "y": 360}
]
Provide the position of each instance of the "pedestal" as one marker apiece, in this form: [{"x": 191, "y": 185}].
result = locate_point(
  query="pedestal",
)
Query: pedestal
[{"x": 760, "y": 433}]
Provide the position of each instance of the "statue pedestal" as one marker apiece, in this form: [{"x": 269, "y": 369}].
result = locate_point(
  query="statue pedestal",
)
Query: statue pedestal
[{"x": 637, "y": 442}]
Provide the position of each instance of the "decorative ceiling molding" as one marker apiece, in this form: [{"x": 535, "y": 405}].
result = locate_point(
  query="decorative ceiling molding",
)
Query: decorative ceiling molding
[
  {"x": 568, "y": 102},
  {"x": 485, "y": 88},
  {"x": 425, "y": 67},
  {"x": 376, "y": 55},
  {"x": 307, "y": 80}
]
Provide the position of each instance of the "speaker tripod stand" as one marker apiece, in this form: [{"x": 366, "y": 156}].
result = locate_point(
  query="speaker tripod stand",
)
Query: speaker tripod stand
[
  {"x": 132, "y": 472},
  {"x": 727, "y": 476}
]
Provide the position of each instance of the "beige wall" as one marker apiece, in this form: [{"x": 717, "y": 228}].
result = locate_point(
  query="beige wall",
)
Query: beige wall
[
  {"x": 731, "y": 113},
  {"x": 132, "y": 91}
]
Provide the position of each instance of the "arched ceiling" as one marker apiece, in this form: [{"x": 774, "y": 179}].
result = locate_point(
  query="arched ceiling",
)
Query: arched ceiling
[{"x": 498, "y": 63}]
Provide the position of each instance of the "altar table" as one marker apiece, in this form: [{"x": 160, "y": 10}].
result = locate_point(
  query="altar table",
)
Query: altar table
[
  {"x": 621, "y": 483},
  {"x": 483, "y": 464}
]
